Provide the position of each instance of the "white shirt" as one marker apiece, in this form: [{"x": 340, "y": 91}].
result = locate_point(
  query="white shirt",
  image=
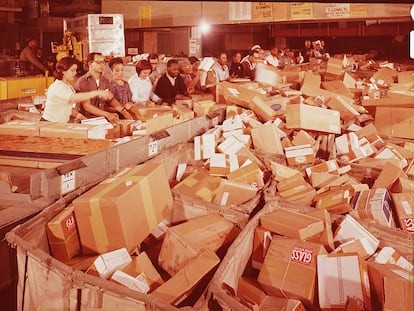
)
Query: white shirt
[
  {"x": 272, "y": 60},
  {"x": 222, "y": 72},
  {"x": 141, "y": 90},
  {"x": 58, "y": 108}
]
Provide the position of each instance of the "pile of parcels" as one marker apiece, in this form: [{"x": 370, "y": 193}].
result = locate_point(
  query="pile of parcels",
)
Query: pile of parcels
[
  {"x": 147, "y": 120},
  {"x": 319, "y": 149}
]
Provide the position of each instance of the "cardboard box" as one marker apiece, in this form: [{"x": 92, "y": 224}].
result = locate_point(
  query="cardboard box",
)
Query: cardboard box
[
  {"x": 292, "y": 224},
  {"x": 199, "y": 185},
  {"x": 375, "y": 205},
  {"x": 63, "y": 236},
  {"x": 302, "y": 116},
  {"x": 186, "y": 241},
  {"x": 349, "y": 229},
  {"x": 330, "y": 166},
  {"x": 261, "y": 241},
  {"x": 184, "y": 111},
  {"x": 232, "y": 193},
  {"x": 391, "y": 287},
  {"x": 341, "y": 276},
  {"x": 385, "y": 76},
  {"x": 303, "y": 138},
  {"x": 337, "y": 200},
  {"x": 204, "y": 107},
  {"x": 122, "y": 210},
  {"x": 395, "y": 122},
  {"x": 221, "y": 164},
  {"x": 339, "y": 87},
  {"x": 250, "y": 293},
  {"x": 138, "y": 283},
  {"x": 301, "y": 194},
  {"x": 298, "y": 155},
  {"x": 406, "y": 76},
  {"x": 22, "y": 127},
  {"x": 391, "y": 153},
  {"x": 289, "y": 269},
  {"x": 388, "y": 255},
  {"x": 358, "y": 246},
  {"x": 142, "y": 264},
  {"x": 403, "y": 185},
  {"x": 250, "y": 174},
  {"x": 106, "y": 264},
  {"x": 72, "y": 130},
  {"x": 326, "y": 237},
  {"x": 156, "y": 119},
  {"x": 281, "y": 171},
  {"x": 389, "y": 174},
  {"x": 290, "y": 182},
  {"x": 267, "y": 139},
  {"x": 333, "y": 69},
  {"x": 179, "y": 286},
  {"x": 344, "y": 106},
  {"x": 404, "y": 209}
]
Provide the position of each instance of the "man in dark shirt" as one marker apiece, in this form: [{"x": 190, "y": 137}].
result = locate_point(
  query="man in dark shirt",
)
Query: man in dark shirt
[
  {"x": 94, "y": 80},
  {"x": 171, "y": 86}
]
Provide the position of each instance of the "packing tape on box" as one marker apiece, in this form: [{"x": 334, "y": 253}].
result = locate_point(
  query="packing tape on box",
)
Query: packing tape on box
[
  {"x": 149, "y": 210},
  {"x": 96, "y": 218}
]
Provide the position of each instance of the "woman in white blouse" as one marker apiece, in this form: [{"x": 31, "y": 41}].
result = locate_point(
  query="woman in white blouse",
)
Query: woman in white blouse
[
  {"x": 141, "y": 86},
  {"x": 61, "y": 97}
]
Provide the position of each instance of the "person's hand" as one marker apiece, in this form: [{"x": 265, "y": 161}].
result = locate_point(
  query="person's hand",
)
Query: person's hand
[
  {"x": 125, "y": 113},
  {"x": 112, "y": 117},
  {"x": 128, "y": 106},
  {"x": 106, "y": 95}
]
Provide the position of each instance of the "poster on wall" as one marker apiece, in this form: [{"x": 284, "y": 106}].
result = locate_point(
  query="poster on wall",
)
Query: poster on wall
[
  {"x": 357, "y": 10},
  {"x": 337, "y": 10},
  {"x": 262, "y": 11},
  {"x": 145, "y": 16},
  {"x": 301, "y": 10},
  {"x": 239, "y": 11}
]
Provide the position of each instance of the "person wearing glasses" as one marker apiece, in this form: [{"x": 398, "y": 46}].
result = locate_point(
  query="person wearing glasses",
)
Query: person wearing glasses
[
  {"x": 156, "y": 73},
  {"x": 111, "y": 108}
]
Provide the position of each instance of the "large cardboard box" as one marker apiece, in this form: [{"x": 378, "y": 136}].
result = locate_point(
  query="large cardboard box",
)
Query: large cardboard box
[
  {"x": 267, "y": 139},
  {"x": 388, "y": 176},
  {"x": 333, "y": 69},
  {"x": 404, "y": 209},
  {"x": 395, "y": 122},
  {"x": 186, "y": 241},
  {"x": 156, "y": 119},
  {"x": 180, "y": 285},
  {"x": 374, "y": 205},
  {"x": 344, "y": 106},
  {"x": 391, "y": 287},
  {"x": 289, "y": 269},
  {"x": 231, "y": 193},
  {"x": 122, "y": 210},
  {"x": 250, "y": 174},
  {"x": 292, "y": 224},
  {"x": 337, "y": 200},
  {"x": 299, "y": 155},
  {"x": 62, "y": 235},
  {"x": 302, "y": 116},
  {"x": 341, "y": 276},
  {"x": 22, "y": 127},
  {"x": 199, "y": 185}
]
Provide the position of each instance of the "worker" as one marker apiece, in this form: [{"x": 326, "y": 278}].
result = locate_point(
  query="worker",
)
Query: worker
[
  {"x": 122, "y": 90},
  {"x": 221, "y": 68},
  {"x": 28, "y": 60},
  {"x": 61, "y": 96},
  {"x": 141, "y": 85},
  {"x": 109, "y": 108},
  {"x": 171, "y": 86}
]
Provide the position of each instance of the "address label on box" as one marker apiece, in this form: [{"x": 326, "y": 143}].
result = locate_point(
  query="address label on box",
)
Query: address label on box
[
  {"x": 68, "y": 182},
  {"x": 152, "y": 148}
]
